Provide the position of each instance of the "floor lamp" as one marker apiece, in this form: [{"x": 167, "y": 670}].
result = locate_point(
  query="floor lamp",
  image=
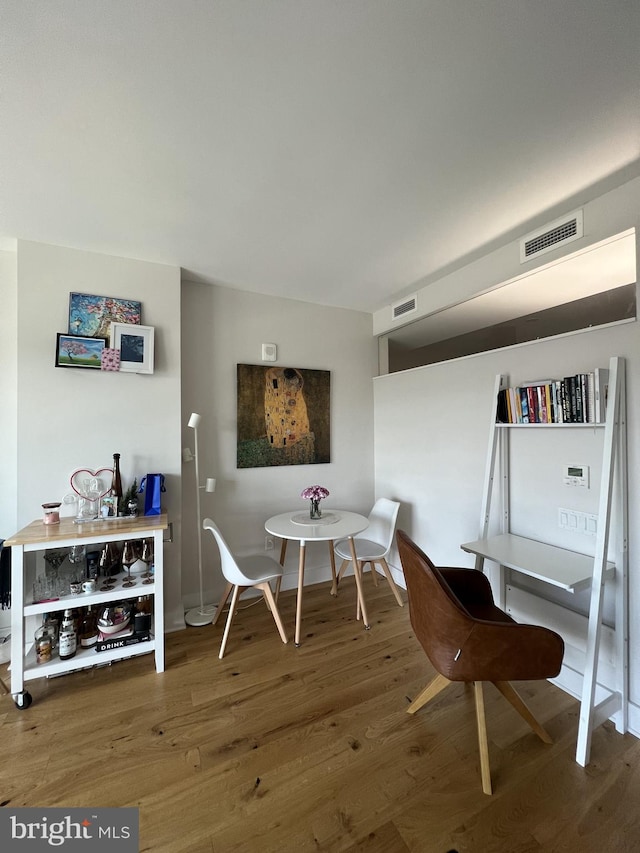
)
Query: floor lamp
[{"x": 198, "y": 616}]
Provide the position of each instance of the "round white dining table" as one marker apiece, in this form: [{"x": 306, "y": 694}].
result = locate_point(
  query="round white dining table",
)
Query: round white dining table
[{"x": 334, "y": 524}]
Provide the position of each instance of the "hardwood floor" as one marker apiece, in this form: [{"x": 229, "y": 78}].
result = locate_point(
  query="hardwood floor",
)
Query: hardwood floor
[{"x": 282, "y": 749}]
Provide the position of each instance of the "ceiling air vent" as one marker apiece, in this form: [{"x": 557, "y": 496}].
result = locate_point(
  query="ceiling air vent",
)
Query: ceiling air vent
[
  {"x": 564, "y": 230},
  {"x": 407, "y": 306}
]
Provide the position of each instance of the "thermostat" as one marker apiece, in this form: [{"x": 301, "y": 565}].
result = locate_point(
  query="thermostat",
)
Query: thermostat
[
  {"x": 576, "y": 475},
  {"x": 269, "y": 352}
]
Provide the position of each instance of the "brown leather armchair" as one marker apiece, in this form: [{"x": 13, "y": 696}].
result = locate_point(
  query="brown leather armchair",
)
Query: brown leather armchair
[{"x": 467, "y": 638}]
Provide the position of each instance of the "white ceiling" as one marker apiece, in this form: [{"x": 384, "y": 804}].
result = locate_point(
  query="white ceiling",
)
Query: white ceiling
[{"x": 336, "y": 152}]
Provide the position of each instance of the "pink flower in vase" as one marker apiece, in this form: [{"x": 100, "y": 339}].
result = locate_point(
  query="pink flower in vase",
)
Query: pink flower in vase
[{"x": 314, "y": 494}]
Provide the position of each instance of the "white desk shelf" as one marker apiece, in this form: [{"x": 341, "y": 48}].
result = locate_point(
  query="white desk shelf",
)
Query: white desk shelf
[
  {"x": 559, "y": 567},
  {"x": 565, "y": 569}
]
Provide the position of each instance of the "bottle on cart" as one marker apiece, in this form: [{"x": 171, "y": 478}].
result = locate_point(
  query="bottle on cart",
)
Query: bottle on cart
[
  {"x": 142, "y": 615},
  {"x": 51, "y": 622},
  {"x": 116, "y": 484},
  {"x": 68, "y": 639},
  {"x": 88, "y": 633},
  {"x": 43, "y": 644}
]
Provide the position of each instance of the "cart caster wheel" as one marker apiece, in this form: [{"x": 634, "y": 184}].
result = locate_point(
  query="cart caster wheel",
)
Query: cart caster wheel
[{"x": 23, "y": 700}]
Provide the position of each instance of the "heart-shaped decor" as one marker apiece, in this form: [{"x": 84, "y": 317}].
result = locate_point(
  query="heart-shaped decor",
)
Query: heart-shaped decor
[{"x": 86, "y": 473}]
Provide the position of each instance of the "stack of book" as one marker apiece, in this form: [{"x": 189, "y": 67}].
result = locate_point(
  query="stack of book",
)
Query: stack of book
[
  {"x": 123, "y": 638},
  {"x": 573, "y": 400}
]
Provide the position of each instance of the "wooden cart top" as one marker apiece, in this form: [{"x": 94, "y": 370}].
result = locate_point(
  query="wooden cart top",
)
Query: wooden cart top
[{"x": 39, "y": 532}]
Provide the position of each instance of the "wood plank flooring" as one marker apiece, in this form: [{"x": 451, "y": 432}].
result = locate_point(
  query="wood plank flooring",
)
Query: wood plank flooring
[{"x": 292, "y": 750}]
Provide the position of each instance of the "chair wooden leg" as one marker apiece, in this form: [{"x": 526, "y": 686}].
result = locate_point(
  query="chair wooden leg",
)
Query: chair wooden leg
[
  {"x": 341, "y": 571},
  {"x": 271, "y": 602},
  {"x": 392, "y": 583},
  {"x": 332, "y": 561},
  {"x": 232, "y": 610},
  {"x": 483, "y": 743},
  {"x": 511, "y": 695},
  {"x": 222, "y": 602},
  {"x": 432, "y": 689},
  {"x": 372, "y": 569}
]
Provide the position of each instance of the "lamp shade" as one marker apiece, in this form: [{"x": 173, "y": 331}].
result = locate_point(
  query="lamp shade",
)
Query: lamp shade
[{"x": 194, "y": 420}]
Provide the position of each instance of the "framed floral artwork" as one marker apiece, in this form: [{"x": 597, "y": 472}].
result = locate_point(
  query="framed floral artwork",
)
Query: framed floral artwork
[
  {"x": 136, "y": 345},
  {"x": 77, "y": 351},
  {"x": 91, "y": 316}
]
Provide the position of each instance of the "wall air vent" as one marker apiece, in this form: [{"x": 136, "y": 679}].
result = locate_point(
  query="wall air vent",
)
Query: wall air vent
[
  {"x": 564, "y": 230},
  {"x": 407, "y": 306}
]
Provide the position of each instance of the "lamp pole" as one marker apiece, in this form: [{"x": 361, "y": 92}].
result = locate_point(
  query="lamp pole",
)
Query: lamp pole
[{"x": 198, "y": 616}]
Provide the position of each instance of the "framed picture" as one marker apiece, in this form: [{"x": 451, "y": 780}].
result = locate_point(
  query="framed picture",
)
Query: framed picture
[
  {"x": 77, "y": 351},
  {"x": 91, "y": 316},
  {"x": 284, "y": 416},
  {"x": 136, "y": 347}
]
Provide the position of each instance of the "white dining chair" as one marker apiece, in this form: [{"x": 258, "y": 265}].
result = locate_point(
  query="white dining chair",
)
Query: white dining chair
[
  {"x": 241, "y": 573},
  {"x": 372, "y": 545}
]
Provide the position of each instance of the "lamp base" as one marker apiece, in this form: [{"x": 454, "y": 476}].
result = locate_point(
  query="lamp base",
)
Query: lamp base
[{"x": 198, "y": 617}]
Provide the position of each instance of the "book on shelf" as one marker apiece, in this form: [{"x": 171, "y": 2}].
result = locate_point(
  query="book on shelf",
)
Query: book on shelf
[
  {"x": 601, "y": 388},
  {"x": 577, "y": 399},
  {"x": 123, "y": 638}
]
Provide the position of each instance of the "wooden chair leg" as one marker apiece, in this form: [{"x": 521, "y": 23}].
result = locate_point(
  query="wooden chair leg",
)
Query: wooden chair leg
[
  {"x": 334, "y": 588},
  {"x": 432, "y": 689},
  {"x": 359, "y": 574},
  {"x": 372, "y": 569},
  {"x": 232, "y": 610},
  {"x": 271, "y": 602},
  {"x": 332, "y": 561},
  {"x": 278, "y": 585},
  {"x": 483, "y": 743},
  {"x": 392, "y": 583},
  {"x": 222, "y": 602},
  {"x": 511, "y": 695}
]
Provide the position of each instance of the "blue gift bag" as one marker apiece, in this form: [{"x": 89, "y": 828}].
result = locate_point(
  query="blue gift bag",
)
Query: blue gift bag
[{"x": 152, "y": 485}]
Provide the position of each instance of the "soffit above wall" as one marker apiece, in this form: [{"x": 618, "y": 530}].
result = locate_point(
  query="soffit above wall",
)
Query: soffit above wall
[{"x": 595, "y": 269}]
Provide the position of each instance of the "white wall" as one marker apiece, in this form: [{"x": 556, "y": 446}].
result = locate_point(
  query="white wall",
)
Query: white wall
[
  {"x": 224, "y": 327},
  {"x": 69, "y": 418},
  {"x": 8, "y": 403}
]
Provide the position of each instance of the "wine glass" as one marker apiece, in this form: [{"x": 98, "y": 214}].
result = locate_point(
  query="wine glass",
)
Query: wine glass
[
  {"x": 129, "y": 556},
  {"x": 147, "y": 557},
  {"x": 108, "y": 562}
]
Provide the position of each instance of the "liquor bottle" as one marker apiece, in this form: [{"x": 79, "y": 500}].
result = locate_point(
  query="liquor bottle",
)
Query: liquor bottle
[
  {"x": 43, "y": 644},
  {"x": 68, "y": 640},
  {"x": 142, "y": 615},
  {"x": 116, "y": 483},
  {"x": 88, "y": 633}
]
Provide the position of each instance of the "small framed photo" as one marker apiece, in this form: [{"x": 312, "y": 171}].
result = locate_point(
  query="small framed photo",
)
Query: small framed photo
[
  {"x": 136, "y": 347},
  {"x": 78, "y": 351}
]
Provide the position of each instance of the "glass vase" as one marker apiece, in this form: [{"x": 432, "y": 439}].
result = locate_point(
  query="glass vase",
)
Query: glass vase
[{"x": 314, "y": 508}]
